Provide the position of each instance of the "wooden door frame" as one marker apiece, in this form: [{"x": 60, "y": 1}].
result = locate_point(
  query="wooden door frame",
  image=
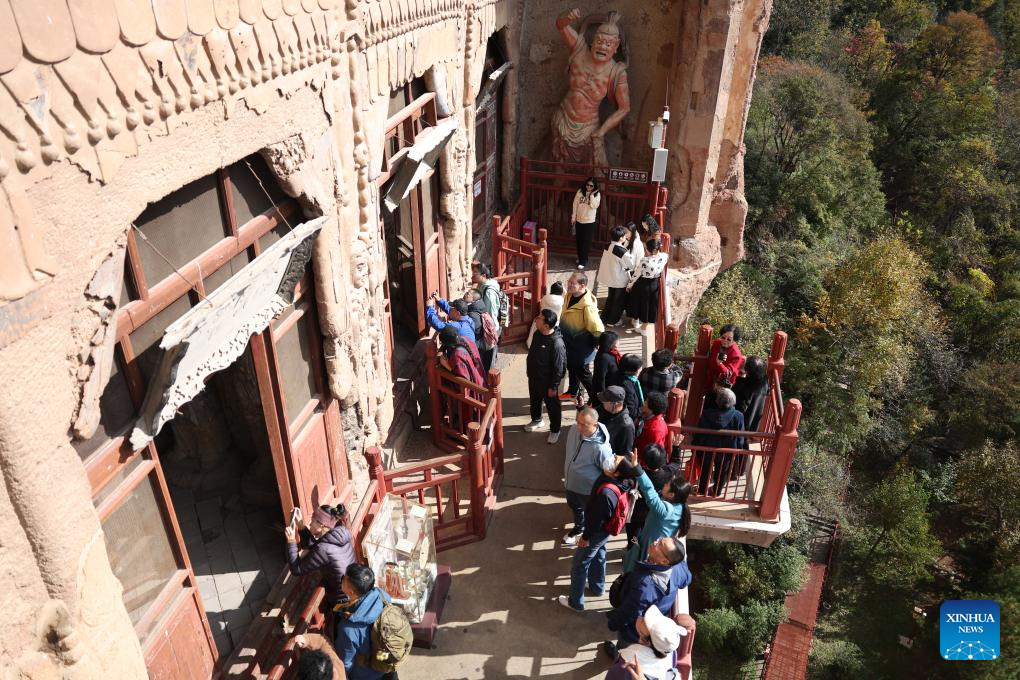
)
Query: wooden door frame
[{"x": 113, "y": 457}]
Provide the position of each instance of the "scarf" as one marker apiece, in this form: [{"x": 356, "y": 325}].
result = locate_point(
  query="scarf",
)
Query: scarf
[
  {"x": 637, "y": 386},
  {"x": 615, "y": 353}
]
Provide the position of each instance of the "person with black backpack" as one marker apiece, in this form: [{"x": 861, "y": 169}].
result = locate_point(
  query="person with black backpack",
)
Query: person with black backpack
[
  {"x": 373, "y": 636},
  {"x": 605, "y": 516}
]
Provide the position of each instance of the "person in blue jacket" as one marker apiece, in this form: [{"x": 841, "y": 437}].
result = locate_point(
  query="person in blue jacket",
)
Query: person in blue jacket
[
  {"x": 354, "y": 621},
  {"x": 450, "y": 314},
  {"x": 655, "y": 581},
  {"x": 667, "y": 514}
]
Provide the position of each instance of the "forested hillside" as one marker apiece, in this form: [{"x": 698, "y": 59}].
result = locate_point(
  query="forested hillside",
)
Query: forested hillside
[{"x": 882, "y": 168}]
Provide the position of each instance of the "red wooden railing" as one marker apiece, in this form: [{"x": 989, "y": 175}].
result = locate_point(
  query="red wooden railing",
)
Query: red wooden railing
[
  {"x": 294, "y": 606},
  {"x": 755, "y": 477},
  {"x": 548, "y": 188},
  {"x": 460, "y": 489},
  {"x": 520, "y": 268}
]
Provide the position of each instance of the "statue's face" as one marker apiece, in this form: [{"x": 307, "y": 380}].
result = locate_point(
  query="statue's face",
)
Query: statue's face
[{"x": 604, "y": 44}]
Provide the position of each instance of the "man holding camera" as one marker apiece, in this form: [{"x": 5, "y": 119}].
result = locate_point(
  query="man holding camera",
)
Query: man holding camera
[{"x": 440, "y": 313}]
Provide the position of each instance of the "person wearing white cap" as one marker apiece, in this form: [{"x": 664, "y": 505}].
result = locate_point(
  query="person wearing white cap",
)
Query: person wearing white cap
[{"x": 654, "y": 655}]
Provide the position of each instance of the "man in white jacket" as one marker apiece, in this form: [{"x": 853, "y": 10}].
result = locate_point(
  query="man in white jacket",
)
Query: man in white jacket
[{"x": 614, "y": 271}]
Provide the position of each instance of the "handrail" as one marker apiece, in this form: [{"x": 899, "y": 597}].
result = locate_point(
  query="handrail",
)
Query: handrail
[
  {"x": 412, "y": 468},
  {"x": 284, "y": 658},
  {"x": 403, "y": 114},
  {"x": 687, "y": 429},
  {"x": 521, "y": 243}
]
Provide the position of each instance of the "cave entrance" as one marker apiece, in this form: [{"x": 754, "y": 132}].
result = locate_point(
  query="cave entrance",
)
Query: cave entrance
[
  {"x": 218, "y": 463},
  {"x": 192, "y": 520}
]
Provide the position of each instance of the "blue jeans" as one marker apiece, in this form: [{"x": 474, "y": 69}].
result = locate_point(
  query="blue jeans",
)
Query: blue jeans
[{"x": 589, "y": 565}]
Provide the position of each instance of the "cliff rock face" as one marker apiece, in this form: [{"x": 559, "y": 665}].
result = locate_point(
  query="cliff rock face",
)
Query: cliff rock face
[
  {"x": 711, "y": 86},
  {"x": 706, "y": 52}
]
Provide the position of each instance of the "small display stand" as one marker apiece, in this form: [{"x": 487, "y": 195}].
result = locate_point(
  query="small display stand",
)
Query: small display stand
[{"x": 401, "y": 549}]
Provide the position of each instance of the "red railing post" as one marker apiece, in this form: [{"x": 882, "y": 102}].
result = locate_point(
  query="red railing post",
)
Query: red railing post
[
  {"x": 672, "y": 337},
  {"x": 375, "y": 469},
  {"x": 674, "y": 410},
  {"x": 435, "y": 405},
  {"x": 777, "y": 362},
  {"x": 782, "y": 459},
  {"x": 698, "y": 385},
  {"x": 498, "y": 256},
  {"x": 683, "y": 653},
  {"x": 542, "y": 262},
  {"x": 660, "y": 327},
  {"x": 476, "y": 453},
  {"x": 497, "y": 434}
]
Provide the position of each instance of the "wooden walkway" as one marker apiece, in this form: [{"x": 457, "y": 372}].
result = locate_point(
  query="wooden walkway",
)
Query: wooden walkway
[{"x": 790, "y": 650}]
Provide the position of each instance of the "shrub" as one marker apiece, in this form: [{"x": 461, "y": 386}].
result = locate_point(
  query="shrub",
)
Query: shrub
[
  {"x": 835, "y": 660},
  {"x": 716, "y": 628},
  {"x": 758, "y": 622},
  {"x": 731, "y": 299}
]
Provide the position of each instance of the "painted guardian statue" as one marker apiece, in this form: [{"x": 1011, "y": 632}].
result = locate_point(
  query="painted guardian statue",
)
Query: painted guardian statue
[{"x": 595, "y": 75}]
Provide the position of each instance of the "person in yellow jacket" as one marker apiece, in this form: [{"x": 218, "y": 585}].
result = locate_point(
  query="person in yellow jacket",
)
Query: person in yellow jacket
[{"x": 581, "y": 327}]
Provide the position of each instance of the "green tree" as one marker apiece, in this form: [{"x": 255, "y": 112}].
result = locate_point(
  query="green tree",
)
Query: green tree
[
  {"x": 758, "y": 622},
  {"x": 835, "y": 660},
  {"x": 983, "y": 405},
  {"x": 716, "y": 628},
  {"x": 808, "y": 167},
  {"x": 859, "y": 344},
  {"x": 731, "y": 299},
  {"x": 987, "y": 483},
  {"x": 935, "y": 115},
  {"x": 896, "y": 546}
]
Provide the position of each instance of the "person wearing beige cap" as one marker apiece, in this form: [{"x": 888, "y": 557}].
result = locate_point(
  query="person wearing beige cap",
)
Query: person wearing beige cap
[{"x": 654, "y": 655}]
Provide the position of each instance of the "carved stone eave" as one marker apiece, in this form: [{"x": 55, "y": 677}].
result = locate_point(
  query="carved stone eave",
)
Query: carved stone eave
[{"x": 216, "y": 332}]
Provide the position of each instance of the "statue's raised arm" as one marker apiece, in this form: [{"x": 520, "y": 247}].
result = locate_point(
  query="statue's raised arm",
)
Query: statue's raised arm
[
  {"x": 564, "y": 26},
  {"x": 594, "y": 75}
]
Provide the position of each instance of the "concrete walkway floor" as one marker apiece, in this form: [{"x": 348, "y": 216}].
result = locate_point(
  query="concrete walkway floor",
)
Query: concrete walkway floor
[{"x": 501, "y": 619}]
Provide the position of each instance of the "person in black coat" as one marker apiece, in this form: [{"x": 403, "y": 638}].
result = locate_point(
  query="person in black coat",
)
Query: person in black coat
[
  {"x": 328, "y": 549},
  {"x": 627, "y": 378},
  {"x": 607, "y": 364},
  {"x": 547, "y": 364},
  {"x": 715, "y": 466},
  {"x": 750, "y": 390},
  {"x": 614, "y": 415}
]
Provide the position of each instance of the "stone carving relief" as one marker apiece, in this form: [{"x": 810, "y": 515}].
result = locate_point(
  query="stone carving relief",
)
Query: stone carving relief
[
  {"x": 594, "y": 75},
  {"x": 93, "y": 86},
  {"x": 95, "y": 352}
]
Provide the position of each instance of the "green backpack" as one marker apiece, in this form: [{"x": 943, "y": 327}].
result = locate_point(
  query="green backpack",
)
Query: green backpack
[{"x": 391, "y": 640}]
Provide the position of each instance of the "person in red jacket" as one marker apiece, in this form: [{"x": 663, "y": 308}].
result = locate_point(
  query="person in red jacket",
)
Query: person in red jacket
[
  {"x": 725, "y": 358},
  {"x": 655, "y": 429}
]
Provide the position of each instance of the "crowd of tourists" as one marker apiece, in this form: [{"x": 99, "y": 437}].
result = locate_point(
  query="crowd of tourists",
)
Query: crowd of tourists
[{"x": 623, "y": 473}]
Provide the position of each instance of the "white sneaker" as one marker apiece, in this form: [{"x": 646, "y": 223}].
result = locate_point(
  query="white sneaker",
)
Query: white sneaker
[
  {"x": 534, "y": 426},
  {"x": 570, "y": 539},
  {"x": 552, "y": 438},
  {"x": 636, "y": 325},
  {"x": 565, "y": 601},
  {"x": 580, "y": 268}
]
